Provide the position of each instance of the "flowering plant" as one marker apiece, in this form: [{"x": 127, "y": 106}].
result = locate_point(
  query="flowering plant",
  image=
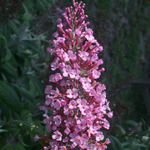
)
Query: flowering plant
[{"x": 79, "y": 102}]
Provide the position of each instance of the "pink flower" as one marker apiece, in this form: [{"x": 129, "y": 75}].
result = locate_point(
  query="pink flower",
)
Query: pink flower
[
  {"x": 57, "y": 77},
  {"x": 63, "y": 148},
  {"x": 78, "y": 31},
  {"x": 96, "y": 74},
  {"x": 75, "y": 73},
  {"x": 65, "y": 140},
  {"x": 69, "y": 55},
  {"x": 55, "y": 34},
  {"x": 57, "y": 136},
  {"x": 54, "y": 64},
  {"x": 57, "y": 120},
  {"x": 60, "y": 25},
  {"x": 72, "y": 93},
  {"x": 66, "y": 70},
  {"x": 36, "y": 138},
  {"x": 48, "y": 89},
  {"x": 91, "y": 147},
  {"x": 61, "y": 39},
  {"x": 67, "y": 130},
  {"x": 83, "y": 55},
  {"x": 57, "y": 105},
  {"x": 81, "y": 103},
  {"x": 72, "y": 104},
  {"x": 99, "y": 136},
  {"x": 67, "y": 110}
]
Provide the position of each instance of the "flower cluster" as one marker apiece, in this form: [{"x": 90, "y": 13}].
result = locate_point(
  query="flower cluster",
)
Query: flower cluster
[{"x": 79, "y": 102}]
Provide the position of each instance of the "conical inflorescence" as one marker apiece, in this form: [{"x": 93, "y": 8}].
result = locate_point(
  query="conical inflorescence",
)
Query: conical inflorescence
[{"x": 78, "y": 101}]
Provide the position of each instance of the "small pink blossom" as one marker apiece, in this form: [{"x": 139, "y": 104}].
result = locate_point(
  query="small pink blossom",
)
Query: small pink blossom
[
  {"x": 72, "y": 93},
  {"x": 48, "y": 89},
  {"x": 67, "y": 130},
  {"x": 72, "y": 104},
  {"x": 84, "y": 55},
  {"x": 57, "y": 135},
  {"x": 57, "y": 105},
  {"x": 96, "y": 74},
  {"x": 81, "y": 102},
  {"x": 75, "y": 73},
  {"x": 60, "y": 25},
  {"x": 57, "y": 120},
  {"x": 36, "y": 138},
  {"x": 99, "y": 136},
  {"x": 66, "y": 70}
]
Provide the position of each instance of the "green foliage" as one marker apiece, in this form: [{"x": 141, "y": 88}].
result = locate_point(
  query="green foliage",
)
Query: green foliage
[
  {"x": 21, "y": 77},
  {"x": 135, "y": 139}
]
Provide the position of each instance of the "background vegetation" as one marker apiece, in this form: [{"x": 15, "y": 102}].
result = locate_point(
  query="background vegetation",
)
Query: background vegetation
[{"x": 122, "y": 27}]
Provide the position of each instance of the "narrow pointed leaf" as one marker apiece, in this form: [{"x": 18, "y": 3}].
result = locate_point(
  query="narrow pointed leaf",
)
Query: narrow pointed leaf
[{"x": 9, "y": 97}]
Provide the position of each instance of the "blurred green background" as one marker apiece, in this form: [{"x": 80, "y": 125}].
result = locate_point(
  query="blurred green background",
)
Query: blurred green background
[{"x": 121, "y": 27}]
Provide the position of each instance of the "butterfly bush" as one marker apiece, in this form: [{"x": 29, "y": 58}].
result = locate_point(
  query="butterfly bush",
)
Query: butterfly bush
[{"x": 78, "y": 102}]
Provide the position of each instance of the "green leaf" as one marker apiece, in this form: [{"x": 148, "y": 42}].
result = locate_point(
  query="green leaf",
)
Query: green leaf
[
  {"x": 30, "y": 44},
  {"x": 124, "y": 144},
  {"x": 19, "y": 147},
  {"x": 34, "y": 129},
  {"x": 8, "y": 52},
  {"x": 8, "y": 69},
  {"x": 9, "y": 97},
  {"x": 9, "y": 148},
  {"x": 37, "y": 83},
  {"x": 11, "y": 127},
  {"x": 131, "y": 122},
  {"x": 143, "y": 135},
  {"x": 3, "y": 130},
  {"x": 25, "y": 92},
  {"x": 13, "y": 27},
  {"x": 141, "y": 145},
  {"x": 122, "y": 131},
  {"x": 27, "y": 16},
  {"x": 116, "y": 141}
]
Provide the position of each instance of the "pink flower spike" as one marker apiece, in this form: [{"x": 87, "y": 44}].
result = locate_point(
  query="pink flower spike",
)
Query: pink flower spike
[
  {"x": 78, "y": 100},
  {"x": 57, "y": 136}
]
